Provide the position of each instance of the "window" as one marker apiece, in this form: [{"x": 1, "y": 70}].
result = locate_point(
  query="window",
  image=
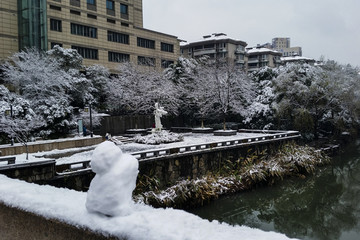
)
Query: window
[
  {"x": 109, "y": 20},
  {"x": 166, "y": 63},
  {"x": 91, "y": 5},
  {"x": 118, "y": 57},
  {"x": 145, "y": 43},
  {"x": 124, "y": 11},
  {"x": 82, "y": 30},
  {"x": 146, "y": 61},
  {"x": 53, "y": 7},
  {"x": 165, "y": 47},
  {"x": 75, "y": 12},
  {"x": 118, "y": 37},
  {"x": 75, "y": 3},
  {"x": 124, "y": 24},
  {"x": 110, "y": 5},
  {"x": 92, "y": 16},
  {"x": 53, "y": 44},
  {"x": 55, "y": 25},
  {"x": 88, "y": 53}
]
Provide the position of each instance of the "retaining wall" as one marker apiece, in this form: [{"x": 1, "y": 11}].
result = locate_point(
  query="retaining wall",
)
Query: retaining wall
[
  {"x": 37, "y": 172},
  {"x": 34, "y": 147},
  {"x": 16, "y": 224}
]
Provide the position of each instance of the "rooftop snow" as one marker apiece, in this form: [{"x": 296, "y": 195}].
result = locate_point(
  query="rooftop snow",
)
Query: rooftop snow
[{"x": 259, "y": 50}]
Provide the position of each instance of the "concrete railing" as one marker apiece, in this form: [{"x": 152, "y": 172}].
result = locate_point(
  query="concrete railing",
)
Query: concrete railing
[
  {"x": 156, "y": 153},
  {"x": 43, "y": 146}
]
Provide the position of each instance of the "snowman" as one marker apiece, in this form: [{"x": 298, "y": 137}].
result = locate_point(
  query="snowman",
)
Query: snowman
[{"x": 110, "y": 191}]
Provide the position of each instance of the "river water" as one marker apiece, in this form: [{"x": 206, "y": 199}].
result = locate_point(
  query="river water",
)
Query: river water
[{"x": 323, "y": 206}]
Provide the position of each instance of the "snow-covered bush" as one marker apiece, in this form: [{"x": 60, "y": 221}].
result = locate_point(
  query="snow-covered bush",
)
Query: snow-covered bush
[{"x": 159, "y": 137}]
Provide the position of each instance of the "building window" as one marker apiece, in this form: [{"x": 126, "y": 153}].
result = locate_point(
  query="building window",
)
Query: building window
[
  {"x": 118, "y": 37},
  {"x": 124, "y": 11},
  {"x": 53, "y": 7},
  {"x": 110, "y": 7},
  {"x": 166, "y": 63},
  {"x": 165, "y": 47},
  {"x": 55, "y": 25},
  {"x": 82, "y": 30},
  {"x": 109, "y": 20},
  {"x": 53, "y": 44},
  {"x": 75, "y": 3},
  {"x": 124, "y": 24},
  {"x": 75, "y": 12},
  {"x": 92, "y": 16},
  {"x": 118, "y": 57},
  {"x": 91, "y": 5},
  {"x": 88, "y": 53},
  {"x": 145, "y": 43},
  {"x": 146, "y": 61}
]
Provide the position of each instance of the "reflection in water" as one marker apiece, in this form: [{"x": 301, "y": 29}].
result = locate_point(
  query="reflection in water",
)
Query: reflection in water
[{"x": 324, "y": 206}]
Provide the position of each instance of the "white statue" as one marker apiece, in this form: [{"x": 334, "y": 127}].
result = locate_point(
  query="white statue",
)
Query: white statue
[{"x": 159, "y": 112}]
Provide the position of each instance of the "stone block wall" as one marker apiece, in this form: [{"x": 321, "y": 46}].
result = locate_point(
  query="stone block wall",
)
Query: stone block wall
[
  {"x": 34, "y": 147},
  {"x": 16, "y": 224},
  {"x": 38, "y": 172}
]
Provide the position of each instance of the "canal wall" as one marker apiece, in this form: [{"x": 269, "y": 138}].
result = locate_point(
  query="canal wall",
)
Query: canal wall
[
  {"x": 196, "y": 161},
  {"x": 16, "y": 224}
]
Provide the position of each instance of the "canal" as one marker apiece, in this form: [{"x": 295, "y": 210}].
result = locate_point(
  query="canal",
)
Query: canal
[{"x": 323, "y": 206}]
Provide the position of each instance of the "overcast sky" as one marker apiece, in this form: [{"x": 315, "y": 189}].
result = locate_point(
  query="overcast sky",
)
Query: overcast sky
[{"x": 329, "y": 28}]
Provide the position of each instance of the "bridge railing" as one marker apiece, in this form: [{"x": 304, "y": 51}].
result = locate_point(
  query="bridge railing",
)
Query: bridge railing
[
  {"x": 141, "y": 155},
  {"x": 188, "y": 149}
]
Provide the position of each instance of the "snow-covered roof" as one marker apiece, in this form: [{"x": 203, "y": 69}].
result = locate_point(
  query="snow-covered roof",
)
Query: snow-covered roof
[
  {"x": 296, "y": 58},
  {"x": 262, "y": 50},
  {"x": 213, "y": 37}
]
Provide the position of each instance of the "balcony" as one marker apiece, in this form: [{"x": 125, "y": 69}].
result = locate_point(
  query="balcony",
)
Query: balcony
[
  {"x": 200, "y": 52},
  {"x": 239, "y": 51},
  {"x": 253, "y": 61},
  {"x": 240, "y": 61}
]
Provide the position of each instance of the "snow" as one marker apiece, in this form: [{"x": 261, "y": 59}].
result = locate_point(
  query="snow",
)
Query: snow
[
  {"x": 66, "y": 156},
  {"x": 212, "y": 37},
  {"x": 106, "y": 196},
  {"x": 261, "y": 50},
  {"x": 139, "y": 221}
]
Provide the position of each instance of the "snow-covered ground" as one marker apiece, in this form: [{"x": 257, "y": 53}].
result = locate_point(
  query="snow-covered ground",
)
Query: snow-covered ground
[
  {"x": 86, "y": 152},
  {"x": 137, "y": 223}
]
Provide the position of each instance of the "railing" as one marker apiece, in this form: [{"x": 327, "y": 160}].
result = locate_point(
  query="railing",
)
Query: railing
[
  {"x": 155, "y": 153},
  {"x": 74, "y": 166},
  {"x": 69, "y": 168}
]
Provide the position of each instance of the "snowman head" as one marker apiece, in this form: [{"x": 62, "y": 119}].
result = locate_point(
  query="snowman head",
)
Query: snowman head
[{"x": 104, "y": 157}]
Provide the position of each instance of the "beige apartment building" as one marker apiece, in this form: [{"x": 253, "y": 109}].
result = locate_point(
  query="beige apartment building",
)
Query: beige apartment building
[
  {"x": 283, "y": 45},
  {"x": 216, "y": 46},
  {"x": 259, "y": 57},
  {"x": 105, "y": 32}
]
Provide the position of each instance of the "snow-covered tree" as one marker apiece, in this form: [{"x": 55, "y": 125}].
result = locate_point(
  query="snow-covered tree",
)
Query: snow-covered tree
[
  {"x": 316, "y": 99},
  {"x": 40, "y": 80},
  {"x": 221, "y": 89},
  {"x": 259, "y": 114},
  {"x": 17, "y": 119},
  {"x": 135, "y": 90}
]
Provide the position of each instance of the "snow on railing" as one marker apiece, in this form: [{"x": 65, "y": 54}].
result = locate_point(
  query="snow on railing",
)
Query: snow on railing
[
  {"x": 272, "y": 136},
  {"x": 74, "y": 166}
]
